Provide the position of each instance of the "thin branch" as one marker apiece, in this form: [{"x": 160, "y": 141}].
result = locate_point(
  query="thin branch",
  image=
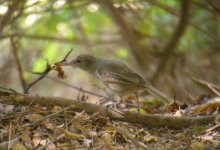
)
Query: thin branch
[
  {"x": 176, "y": 13},
  {"x": 19, "y": 66},
  {"x": 86, "y": 91},
  {"x": 9, "y": 137},
  {"x": 4, "y": 145},
  {"x": 7, "y": 18},
  {"x": 210, "y": 86},
  {"x": 205, "y": 82},
  {"x": 61, "y": 39},
  {"x": 45, "y": 72},
  {"x": 131, "y": 137},
  {"x": 169, "y": 48},
  {"x": 52, "y": 141},
  {"x": 213, "y": 128},
  {"x": 46, "y": 117},
  {"x": 77, "y": 88},
  {"x": 42, "y": 75},
  {"x": 64, "y": 59}
]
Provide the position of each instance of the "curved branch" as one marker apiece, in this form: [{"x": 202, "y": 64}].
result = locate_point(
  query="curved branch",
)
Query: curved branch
[
  {"x": 148, "y": 120},
  {"x": 169, "y": 48}
]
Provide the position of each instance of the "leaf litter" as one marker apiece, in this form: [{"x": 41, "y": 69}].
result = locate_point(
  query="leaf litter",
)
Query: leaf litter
[{"x": 69, "y": 130}]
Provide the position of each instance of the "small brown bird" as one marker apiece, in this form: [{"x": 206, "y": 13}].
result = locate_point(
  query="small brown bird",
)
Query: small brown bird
[{"x": 117, "y": 76}]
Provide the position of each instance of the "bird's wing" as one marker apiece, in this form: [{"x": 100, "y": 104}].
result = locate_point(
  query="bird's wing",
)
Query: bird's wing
[{"x": 118, "y": 72}]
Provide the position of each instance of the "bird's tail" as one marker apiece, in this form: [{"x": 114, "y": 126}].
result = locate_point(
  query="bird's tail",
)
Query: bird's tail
[{"x": 151, "y": 89}]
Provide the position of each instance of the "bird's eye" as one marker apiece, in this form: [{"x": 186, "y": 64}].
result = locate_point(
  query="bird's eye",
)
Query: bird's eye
[{"x": 77, "y": 61}]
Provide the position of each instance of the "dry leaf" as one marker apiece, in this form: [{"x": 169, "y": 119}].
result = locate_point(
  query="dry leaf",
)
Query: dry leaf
[
  {"x": 56, "y": 109},
  {"x": 207, "y": 108},
  {"x": 18, "y": 146},
  {"x": 172, "y": 108},
  {"x": 33, "y": 117},
  {"x": 149, "y": 138},
  {"x": 198, "y": 146},
  {"x": 36, "y": 141},
  {"x": 43, "y": 142},
  {"x": 71, "y": 135},
  {"x": 8, "y": 108},
  {"x": 25, "y": 137},
  {"x": 50, "y": 126},
  {"x": 51, "y": 146},
  {"x": 204, "y": 98}
]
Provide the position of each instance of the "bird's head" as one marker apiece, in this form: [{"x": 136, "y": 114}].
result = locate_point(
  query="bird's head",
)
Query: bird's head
[{"x": 84, "y": 62}]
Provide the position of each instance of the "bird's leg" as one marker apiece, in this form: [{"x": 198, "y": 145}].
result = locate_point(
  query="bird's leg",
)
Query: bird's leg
[
  {"x": 112, "y": 103},
  {"x": 138, "y": 104},
  {"x": 116, "y": 102},
  {"x": 101, "y": 101}
]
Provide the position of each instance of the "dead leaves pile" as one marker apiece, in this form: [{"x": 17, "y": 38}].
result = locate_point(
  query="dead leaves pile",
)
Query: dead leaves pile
[{"x": 35, "y": 128}]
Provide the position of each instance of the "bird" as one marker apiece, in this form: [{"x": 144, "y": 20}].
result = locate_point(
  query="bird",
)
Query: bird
[{"x": 116, "y": 76}]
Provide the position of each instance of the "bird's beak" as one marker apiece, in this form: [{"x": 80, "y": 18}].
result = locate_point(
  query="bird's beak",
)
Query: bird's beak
[
  {"x": 71, "y": 63},
  {"x": 65, "y": 63}
]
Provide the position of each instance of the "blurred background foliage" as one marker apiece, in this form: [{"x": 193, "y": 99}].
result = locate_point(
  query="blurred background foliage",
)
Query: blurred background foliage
[{"x": 134, "y": 31}]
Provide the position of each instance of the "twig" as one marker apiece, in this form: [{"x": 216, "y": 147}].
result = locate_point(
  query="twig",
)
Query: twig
[
  {"x": 9, "y": 137},
  {"x": 129, "y": 136},
  {"x": 46, "y": 117},
  {"x": 4, "y": 145},
  {"x": 52, "y": 141},
  {"x": 10, "y": 90},
  {"x": 19, "y": 66},
  {"x": 43, "y": 75},
  {"x": 176, "y": 13},
  {"x": 205, "y": 82},
  {"x": 8, "y": 16},
  {"x": 212, "y": 128},
  {"x": 86, "y": 91},
  {"x": 210, "y": 86},
  {"x": 45, "y": 72},
  {"x": 64, "y": 59},
  {"x": 61, "y": 39},
  {"x": 77, "y": 88},
  {"x": 213, "y": 90}
]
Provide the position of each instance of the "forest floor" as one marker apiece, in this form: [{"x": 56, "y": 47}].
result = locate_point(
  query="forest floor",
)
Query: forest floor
[{"x": 53, "y": 127}]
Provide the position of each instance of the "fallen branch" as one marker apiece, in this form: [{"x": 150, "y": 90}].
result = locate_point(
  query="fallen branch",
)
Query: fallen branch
[{"x": 148, "y": 120}]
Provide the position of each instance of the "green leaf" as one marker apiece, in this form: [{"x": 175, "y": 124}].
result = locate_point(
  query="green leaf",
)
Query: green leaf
[{"x": 122, "y": 53}]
